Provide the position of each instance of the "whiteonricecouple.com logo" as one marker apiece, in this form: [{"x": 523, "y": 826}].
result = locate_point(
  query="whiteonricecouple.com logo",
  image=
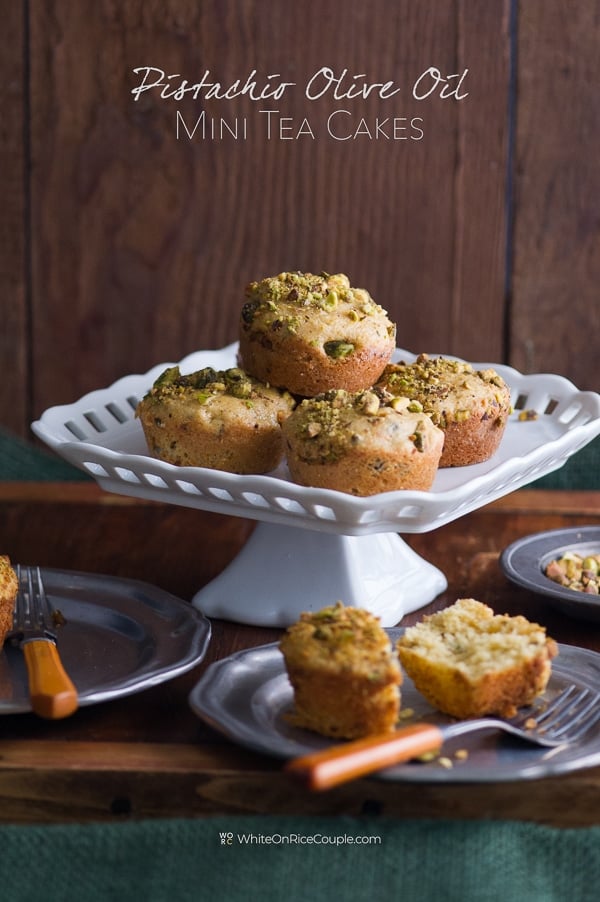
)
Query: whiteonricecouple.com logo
[{"x": 297, "y": 839}]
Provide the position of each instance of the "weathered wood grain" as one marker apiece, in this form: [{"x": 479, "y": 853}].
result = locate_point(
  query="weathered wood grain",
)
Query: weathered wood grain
[
  {"x": 555, "y": 313},
  {"x": 123, "y": 246},
  {"x": 125, "y": 781},
  {"x": 14, "y": 338},
  {"x": 142, "y": 244},
  {"x": 190, "y": 546},
  {"x": 148, "y": 755},
  {"x": 478, "y": 297}
]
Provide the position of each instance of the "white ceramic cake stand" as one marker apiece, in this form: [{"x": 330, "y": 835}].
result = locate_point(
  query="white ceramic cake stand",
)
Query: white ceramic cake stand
[{"x": 312, "y": 547}]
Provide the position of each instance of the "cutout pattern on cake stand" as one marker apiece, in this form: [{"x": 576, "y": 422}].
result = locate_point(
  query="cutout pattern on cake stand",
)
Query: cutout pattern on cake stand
[{"x": 310, "y": 546}]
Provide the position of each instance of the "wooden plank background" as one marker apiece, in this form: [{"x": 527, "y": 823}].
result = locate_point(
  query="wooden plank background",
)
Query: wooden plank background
[
  {"x": 15, "y": 399},
  {"x": 555, "y": 317},
  {"x": 123, "y": 246}
]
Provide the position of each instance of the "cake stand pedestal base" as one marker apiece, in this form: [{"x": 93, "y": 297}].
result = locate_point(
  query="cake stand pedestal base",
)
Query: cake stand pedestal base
[{"x": 282, "y": 571}]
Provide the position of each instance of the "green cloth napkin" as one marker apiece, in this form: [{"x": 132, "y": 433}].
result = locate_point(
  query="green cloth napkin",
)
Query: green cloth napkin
[
  {"x": 299, "y": 859},
  {"x": 580, "y": 472},
  {"x": 21, "y": 460}
]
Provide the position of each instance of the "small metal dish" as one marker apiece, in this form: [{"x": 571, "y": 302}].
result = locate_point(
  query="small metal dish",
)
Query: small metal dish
[{"x": 525, "y": 561}]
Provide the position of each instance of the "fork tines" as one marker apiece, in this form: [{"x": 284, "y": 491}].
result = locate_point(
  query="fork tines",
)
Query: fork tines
[
  {"x": 569, "y": 715},
  {"x": 32, "y": 608}
]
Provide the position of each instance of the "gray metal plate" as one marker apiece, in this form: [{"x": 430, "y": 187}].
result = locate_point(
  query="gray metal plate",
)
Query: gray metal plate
[
  {"x": 247, "y": 695},
  {"x": 525, "y": 560},
  {"x": 120, "y": 636}
]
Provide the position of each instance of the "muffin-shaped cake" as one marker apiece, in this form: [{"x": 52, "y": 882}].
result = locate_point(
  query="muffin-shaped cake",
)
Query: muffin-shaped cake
[
  {"x": 8, "y": 594},
  {"x": 468, "y": 662},
  {"x": 356, "y": 443},
  {"x": 343, "y": 672},
  {"x": 220, "y": 419},
  {"x": 310, "y": 333},
  {"x": 471, "y": 406}
]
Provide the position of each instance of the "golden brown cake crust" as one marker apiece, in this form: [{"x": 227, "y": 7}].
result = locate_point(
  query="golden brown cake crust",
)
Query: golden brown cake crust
[
  {"x": 353, "y": 442},
  {"x": 220, "y": 419},
  {"x": 343, "y": 671},
  {"x": 8, "y": 593},
  {"x": 311, "y": 333},
  {"x": 469, "y": 662},
  {"x": 471, "y": 406}
]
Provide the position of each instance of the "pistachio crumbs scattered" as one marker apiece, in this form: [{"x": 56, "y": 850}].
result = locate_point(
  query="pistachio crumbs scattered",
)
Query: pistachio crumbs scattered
[
  {"x": 526, "y": 416},
  {"x": 427, "y": 757},
  {"x": 407, "y": 714},
  {"x": 443, "y": 760}
]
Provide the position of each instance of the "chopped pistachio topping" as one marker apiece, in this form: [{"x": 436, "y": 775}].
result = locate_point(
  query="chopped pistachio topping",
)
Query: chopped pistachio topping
[
  {"x": 204, "y": 384},
  {"x": 418, "y": 440},
  {"x": 337, "y": 419},
  {"x": 344, "y": 637},
  {"x": 271, "y": 297},
  {"x": 338, "y": 348},
  {"x": 368, "y": 402},
  {"x": 429, "y": 382}
]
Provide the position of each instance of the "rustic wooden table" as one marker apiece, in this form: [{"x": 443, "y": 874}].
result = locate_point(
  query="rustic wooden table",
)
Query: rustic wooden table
[{"x": 147, "y": 755}]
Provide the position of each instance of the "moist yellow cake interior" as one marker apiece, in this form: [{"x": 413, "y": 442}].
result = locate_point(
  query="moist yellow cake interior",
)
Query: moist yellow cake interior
[{"x": 470, "y": 637}]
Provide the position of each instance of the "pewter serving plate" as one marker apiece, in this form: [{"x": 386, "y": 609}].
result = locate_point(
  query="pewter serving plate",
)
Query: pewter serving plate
[
  {"x": 525, "y": 560},
  {"x": 120, "y": 636},
  {"x": 247, "y": 696}
]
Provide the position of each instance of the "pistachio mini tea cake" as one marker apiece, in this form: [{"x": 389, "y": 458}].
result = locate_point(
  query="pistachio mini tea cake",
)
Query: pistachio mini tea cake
[
  {"x": 311, "y": 333},
  {"x": 471, "y": 406},
  {"x": 356, "y": 443},
  {"x": 344, "y": 673},
  {"x": 221, "y": 419}
]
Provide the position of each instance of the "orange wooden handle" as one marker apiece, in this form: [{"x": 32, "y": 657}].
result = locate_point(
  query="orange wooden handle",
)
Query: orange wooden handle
[
  {"x": 341, "y": 763},
  {"x": 51, "y": 692}
]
